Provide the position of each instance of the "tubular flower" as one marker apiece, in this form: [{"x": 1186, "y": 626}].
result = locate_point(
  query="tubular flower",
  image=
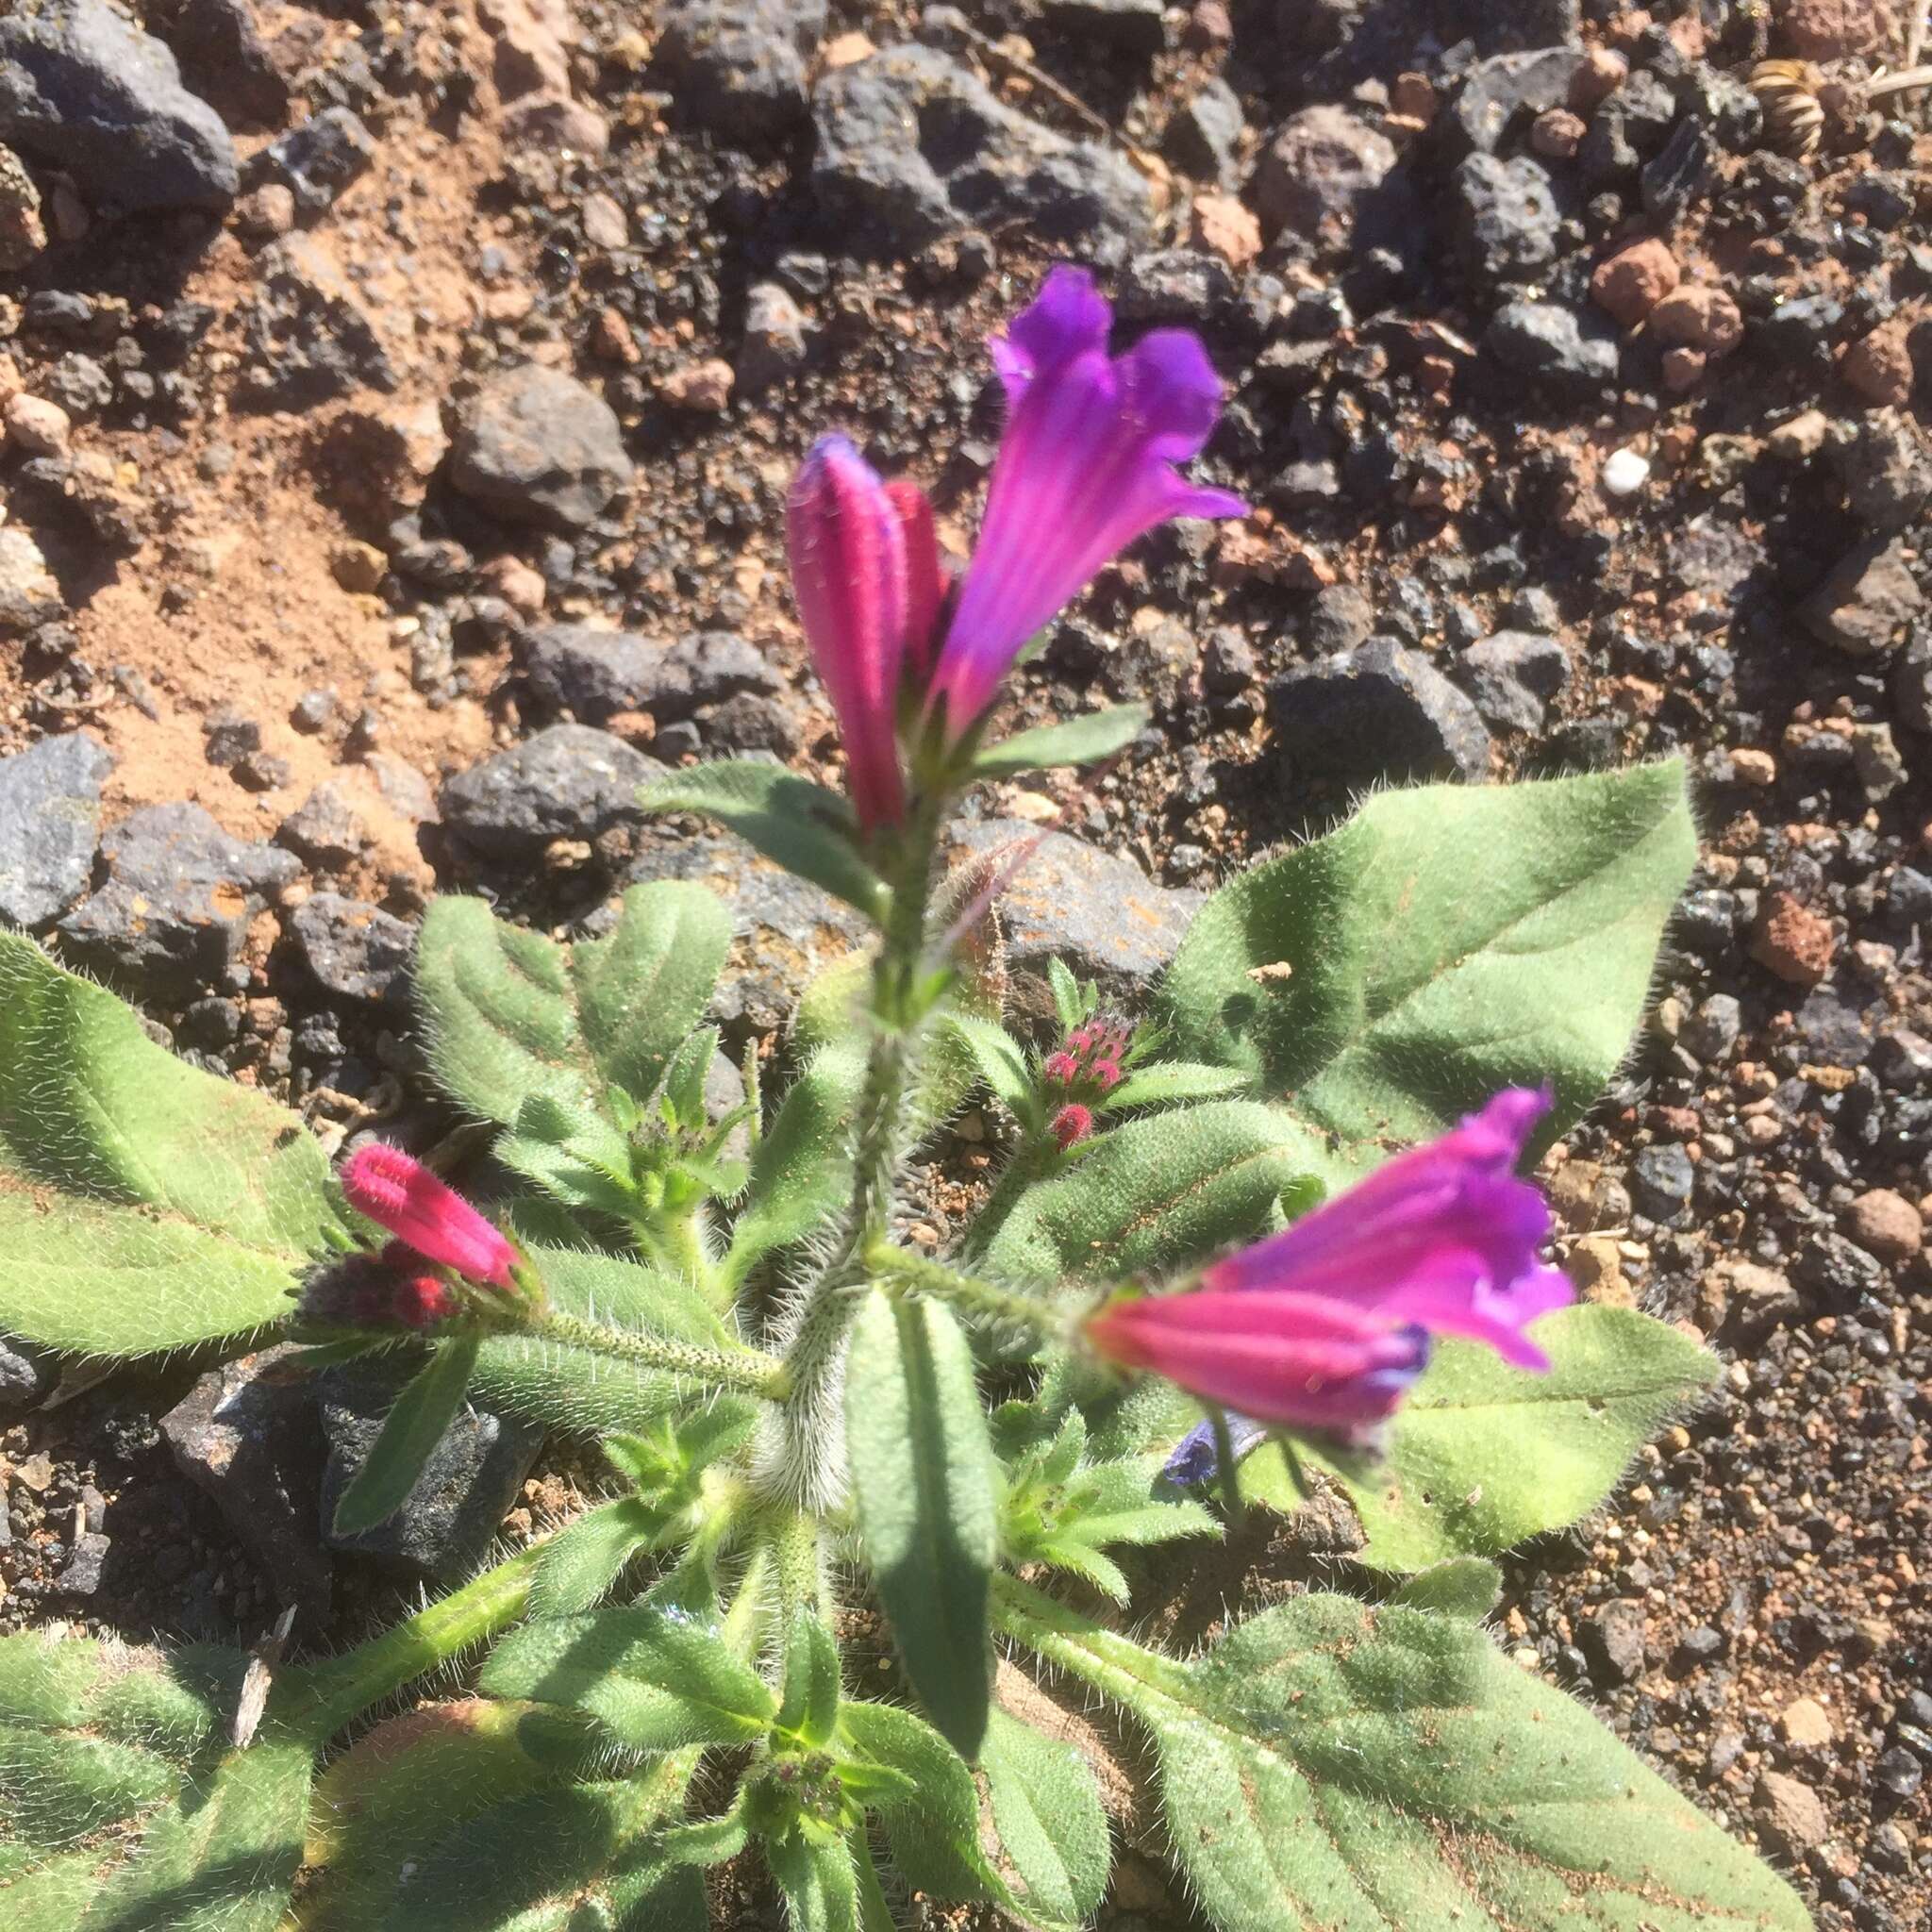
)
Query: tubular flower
[
  {"x": 1301, "y": 1329},
  {"x": 1086, "y": 466},
  {"x": 401, "y": 1195},
  {"x": 863, "y": 560}
]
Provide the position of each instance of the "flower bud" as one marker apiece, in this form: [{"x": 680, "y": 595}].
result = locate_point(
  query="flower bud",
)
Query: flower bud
[{"x": 399, "y": 1193}]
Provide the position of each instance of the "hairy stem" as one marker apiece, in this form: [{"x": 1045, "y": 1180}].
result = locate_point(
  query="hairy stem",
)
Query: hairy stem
[
  {"x": 1115, "y": 1665},
  {"x": 743, "y": 1370},
  {"x": 887, "y": 1263},
  {"x": 318, "y": 1701}
]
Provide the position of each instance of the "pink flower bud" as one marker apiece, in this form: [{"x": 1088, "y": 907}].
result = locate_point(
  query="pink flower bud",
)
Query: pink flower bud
[
  {"x": 1072, "y": 1122},
  {"x": 401, "y": 1195},
  {"x": 927, "y": 577}
]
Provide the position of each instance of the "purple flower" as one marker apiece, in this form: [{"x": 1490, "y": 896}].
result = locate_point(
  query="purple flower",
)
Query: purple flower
[
  {"x": 864, "y": 568},
  {"x": 1440, "y": 1240},
  {"x": 1086, "y": 466}
]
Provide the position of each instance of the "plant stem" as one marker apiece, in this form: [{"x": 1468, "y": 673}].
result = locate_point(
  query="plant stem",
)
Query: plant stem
[
  {"x": 316, "y": 1702},
  {"x": 900, "y": 1265},
  {"x": 744, "y": 1370},
  {"x": 1122, "y": 1670}
]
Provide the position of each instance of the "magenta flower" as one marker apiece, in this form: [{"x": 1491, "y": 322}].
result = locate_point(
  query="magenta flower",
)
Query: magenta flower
[
  {"x": 1086, "y": 466},
  {"x": 863, "y": 561},
  {"x": 399, "y": 1193},
  {"x": 1322, "y": 1325}
]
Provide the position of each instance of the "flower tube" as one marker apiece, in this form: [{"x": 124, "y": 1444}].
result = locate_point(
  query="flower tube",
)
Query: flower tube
[
  {"x": 1086, "y": 466},
  {"x": 399, "y": 1193}
]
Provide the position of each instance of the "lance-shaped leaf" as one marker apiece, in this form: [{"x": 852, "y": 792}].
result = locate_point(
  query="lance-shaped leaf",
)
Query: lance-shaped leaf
[
  {"x": 1163, "y": 1083},
  {"x": 655, "y": 1678},
  {"x": 580, "y": 1566},
  {"x": 1482, "y": 1456},
  {"x": 1082, "y": 741},
  {"x": 1390, "y": 1772},
  {"x": 1445, "y": 943},
  {"x": 795, "y": 823},
  {"x": 429, "y": 1402},
  {"x": 1160, "y": 1193},
  {"x": 143, "y": 1204},
  {"x": 1046, "y": 1807},
  {"x": 999, "y": 1060},
  {"x": 925, "y": 1490},
  {"x": 812, "y": 1686},
  {"x": 819, "y": 1878}
]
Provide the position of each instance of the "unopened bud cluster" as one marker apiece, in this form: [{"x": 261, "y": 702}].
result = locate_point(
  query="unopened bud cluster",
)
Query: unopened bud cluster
[{"x": 1084, "y": 1070}]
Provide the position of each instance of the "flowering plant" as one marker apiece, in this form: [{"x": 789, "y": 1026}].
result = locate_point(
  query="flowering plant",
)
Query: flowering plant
[{"x": 876, "y": 1506}]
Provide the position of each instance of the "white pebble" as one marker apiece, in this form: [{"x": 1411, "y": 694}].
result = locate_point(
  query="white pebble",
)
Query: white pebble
[{"x": 1624, "y": 473}]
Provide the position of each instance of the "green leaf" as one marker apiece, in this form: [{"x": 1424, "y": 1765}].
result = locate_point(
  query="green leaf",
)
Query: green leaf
[
  {"x": 800, "y": 826},
  {"x": 1071, "y": 1001},
  {"x": 1389, "y": 1771},
  {"x": 1482, "y": 1456},
  {"x": 580, "y": 1567},
  {"x": 802, "y": 1171},
  {"x": 1001, "y": 1061},
  {"x": 818, "y": 1877},
  {"x": 1082, "y": 741},
  {"x": 1047, "y": 1808},
  {"x": 1463, "y": 1587},
  {"x": 1167, "y": 1081},
  {"x": 1446, "y": 942},
  {"x": 813, "y": 1688},
  {"x": 645, "y": 988},
  {"x": 928, "y": 1801},
  {"x": 145, "y": 1204},
  {"x": 923, "y": 1486},
  {"x": 655, "y": 1678},
  {"x": 410, "y": 1431},
  {"x": 1161, "y": 1193}
]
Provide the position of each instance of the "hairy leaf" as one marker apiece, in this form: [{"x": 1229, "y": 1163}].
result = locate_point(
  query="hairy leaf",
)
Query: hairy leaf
[
  {"x": 1482, "y": 1456},
  {"x": 1082, "y": 741},
  {"x": 819, "y": 1878},
  {"x": 813, "y": 1688},
  {"x": 1047, "y": 1810},
  {"x": 794, "y": 823},
  {"x": 143, "y": 1204},
  {"x": 925, "y": 1491},
  {"x": 580, "y": 1567},
  {"x": 1164, "y": 1082},
  {"x": 999, "y": 1060},
  {"x": 1463, "y": 1587},
  {"x": 1390, "y": 1772},
  {"x": 423, "y": 1412},
  {"x": 1446, "y": 942}
]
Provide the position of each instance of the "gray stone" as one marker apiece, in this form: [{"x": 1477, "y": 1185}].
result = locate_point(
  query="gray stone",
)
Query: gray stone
[
  {"x": 915, "y": 146},
  {"x": 445, "y": 1528},
  {"x": 568, "y": 782},
  {"x": 738, "y": 68},
  {"x": 1662, "y": 1178},
  {"x": 50, "y": 805},
  {"x": 248, "y": 1434},
  {"x": 1316, "y": 172},
  {"x": 176, "y": 906},
  {"x": 1911, "y": 683},
  {"x": 1712, "y": 1030},
  {"x": 1681, "y": 173},
  {"x": 310, "y": 337},
  {"x": 535, "y": 446},
  {"x": 1886, "y": 463},
  {"x": 1504, "y": 217},
  {"x": 1512, "y": 674},
  {"x": 324, "y": 829},
  {"x": 354, "y": 950},
  {"x": 1379, "y": 710},
  {"x": 1516, "y": 24},
  {"x": 26, "y": 1377},
  {"x": 1504, "y": 94},
  {"x": 1567, "y": 354},
  {"x": 223, "y": 57},
  {"x": 1098, "y": 912},
  {"x": 774, "y": 337},
  {"x": 1866, "y": 601},
  {"x": 83, "y": 88},
  {"x": 1203, "y": 136},
  {"x": 317, "y": 161},
  {"x": 1174, "y": 287},
  {"x": 85, "y": 1565},
  {"x": 596, "y": 674},
  {"x": 29, "y": 594},
  {"x": 1614, "y": 1641}
]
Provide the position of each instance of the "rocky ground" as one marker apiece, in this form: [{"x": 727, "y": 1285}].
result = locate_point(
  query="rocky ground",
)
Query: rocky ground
[{"x": 399, "y": 401}]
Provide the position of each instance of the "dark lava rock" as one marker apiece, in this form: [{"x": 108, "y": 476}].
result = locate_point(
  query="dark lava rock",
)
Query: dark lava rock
[
  {"x": 316, "y": 160},
  {"x": 1866, "y": 601},
  {"x": 223, "y": 57},
  {"x": 1378, "y": 711},
  {"x": 249, "y": 1435},
  {"x": 50, "y": 807},
  {"x": 1203, "y": 136},
  {"x": 176, "y": 906},
  {"x": 309, "y": 335},
  {"x": 26, "y": 1377},
  {"x": 917, "y": 146},
  {"x": 1502, "y": 95},
  {"x": 1098, "y": 912},
  {"x": 1712, "y": 1030},
  {"x": 1180, "y": 287},
  {"x": 444, "y": 1530},
  {"x": 596, "y": 674},
  {"x": 1614, "y": 1641},
  {"x": 1504, "y": 217},
  {"x": 1134, "y": 27},
  {"x": 568, "y": 782},
  {"x": 1516, "y": 24},
  {"x": 1661, "y": 1180},
  {"x": 738, "y": 68},
  {"x": 87, "y": 1563},
  {"x": 1569, "y": 354},
  {"x": 84, "y": 88},
  {"x": 324, "y": 829},
  {"x": 356, "y": 951},
  {"x": 1512, "y": 674},
  {"x": 1316, "y": 172},
  {"x": 535, "y": 446}
]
